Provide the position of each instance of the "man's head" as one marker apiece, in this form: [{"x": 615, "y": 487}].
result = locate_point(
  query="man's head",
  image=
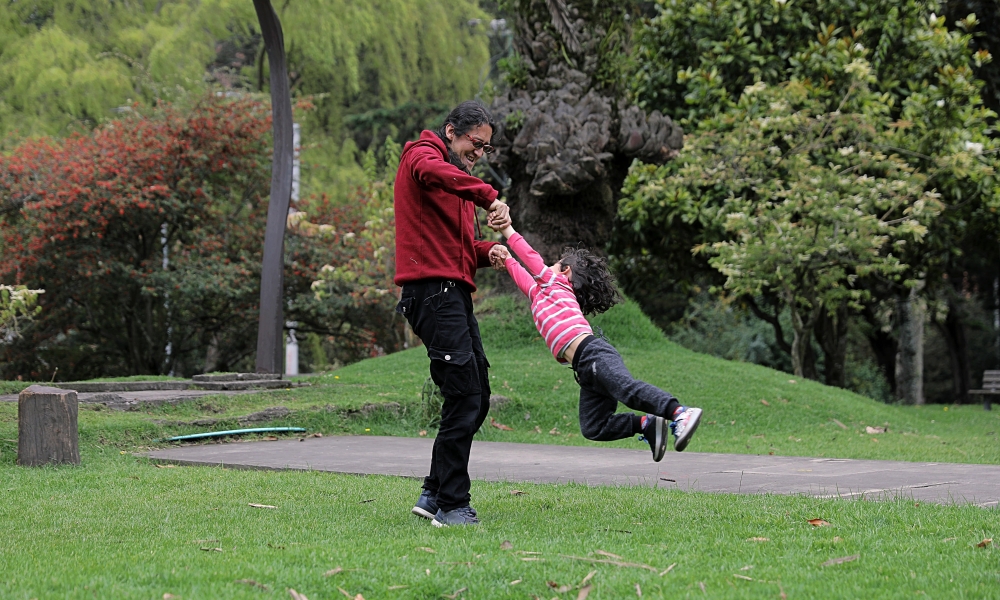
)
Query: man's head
[
  {"x": 467, "y": 131},
  {"x": 593, "y": 283}
]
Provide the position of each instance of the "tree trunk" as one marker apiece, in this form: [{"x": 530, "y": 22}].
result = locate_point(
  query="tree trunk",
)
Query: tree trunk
[
  {"x": 47, "y": 427},
  {"x": 566, "y": 137},
  {"x": 953, "y": 332},
  {"x": 910, "y": 358},
  {"x": 832, "y": 336},
  {"x": 802, "y": 329}
]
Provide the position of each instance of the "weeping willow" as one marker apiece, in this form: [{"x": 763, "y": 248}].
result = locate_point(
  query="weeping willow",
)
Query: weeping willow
[{"x": 71, "y": 64}]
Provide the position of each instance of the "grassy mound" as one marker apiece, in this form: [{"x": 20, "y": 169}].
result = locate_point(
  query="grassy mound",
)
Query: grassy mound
[{"x": 748, "y": 408}]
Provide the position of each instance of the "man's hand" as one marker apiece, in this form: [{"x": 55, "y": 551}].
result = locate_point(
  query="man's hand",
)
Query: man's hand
[
  {"x": 499, "y": 217},
  {"x": 498, "y": 257}
]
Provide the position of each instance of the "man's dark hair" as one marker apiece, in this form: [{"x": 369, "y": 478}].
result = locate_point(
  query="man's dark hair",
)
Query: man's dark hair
[
  {"x": 593, "y": 283},
  {"x": 465, "y": 117}
]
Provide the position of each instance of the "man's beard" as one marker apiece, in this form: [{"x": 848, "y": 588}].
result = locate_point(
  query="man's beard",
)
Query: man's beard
[{"x": 456, "y": 160}]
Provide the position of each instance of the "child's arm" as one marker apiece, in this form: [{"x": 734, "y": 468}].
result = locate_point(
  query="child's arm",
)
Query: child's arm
[{"x": 532, "y": 260}]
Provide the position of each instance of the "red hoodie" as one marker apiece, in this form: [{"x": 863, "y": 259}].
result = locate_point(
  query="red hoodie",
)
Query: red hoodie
[{"x": 435, "y": 207}]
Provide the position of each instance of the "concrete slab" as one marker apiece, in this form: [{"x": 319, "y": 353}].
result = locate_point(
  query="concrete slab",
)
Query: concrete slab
[
  {"x": 726, "y": 473},
  {"x": 133, "y": 400}
]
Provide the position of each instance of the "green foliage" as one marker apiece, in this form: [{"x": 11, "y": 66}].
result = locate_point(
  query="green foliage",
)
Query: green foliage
[
  {"x": 69, "y": 65},
  {"x": 17, "y": 302},
  {"x": 826, "y": 140},
  {"x": 514, "y": 71}
]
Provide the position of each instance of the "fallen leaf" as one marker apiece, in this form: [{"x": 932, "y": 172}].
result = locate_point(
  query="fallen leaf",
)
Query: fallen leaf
[
  {"x": 782, "y": 592},
  {"x": 506, "y": 545},
  {"x": 668, "y": 569},
  {"x": 297, "y": 596},
  {"x": 515, "y": 582},
  {"x": 262, "y": 505},
  {"x": 333, "y": 571},
  {"x": 159, "y": 466},
  {"x": 517, "y": 493},
  {"x": 765, "y": 402},
  {"x": 758, "y": 539},
  {"x": 702, "y": 584},
  {"x": 271, "y": 438},
  {"x": 872, "y": 430},
  {"x": 426, "y": 549},
  {"x": 212, "y": 549},
  {"x": 587, "y": 578},
  {"x": 560, "y": 589},
  {"x": 789, "y": 381},
  {"x": 538, "y": 429},
  {"x": 533, "y": 558},
  {"x": 743, "y": 577},
  {"x": 455, "y": 595},
  {"x": 839, "y": 424},
  {"x": 428, "y": 571},
  {"x": 527, "y": 416},
  {"x": 616, "y": 563},
  {"x": 841, "y": 560},
  {"x": 608, "y": 554},
  {"x": 746, "y": 568},
  {"x": 951, "y": 539},
  {"x": 984, "y": 543},
  {"x": 818, "y": 522},
  {"x": 500, "y": 425},
  {"x": 169, "y": 597},
  {"x": 638, "y": 590},
  {"x": 554, "y": 431},
  {"x": 838, "y": 538},
  {"x": 423, "y": 433},
  {"x": 584, "y": 592},
  {"x": 397, "y": 587},
  {"x": 253, "y": 583}
]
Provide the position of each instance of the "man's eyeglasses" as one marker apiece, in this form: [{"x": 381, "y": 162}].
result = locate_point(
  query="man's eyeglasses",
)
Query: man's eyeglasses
[{"x": 480, "y": 145}]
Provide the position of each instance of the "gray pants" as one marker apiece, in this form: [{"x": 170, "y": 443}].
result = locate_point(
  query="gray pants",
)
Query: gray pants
[{"x": 604, "y": 382}]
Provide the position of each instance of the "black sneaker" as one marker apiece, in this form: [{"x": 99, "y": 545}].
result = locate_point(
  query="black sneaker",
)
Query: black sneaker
[
  {"x": 465, "y": 515},
  {"x": 655, "y": 433},
  {"x": 684, "y": 426},
  {"x": 426, "y": 505}
]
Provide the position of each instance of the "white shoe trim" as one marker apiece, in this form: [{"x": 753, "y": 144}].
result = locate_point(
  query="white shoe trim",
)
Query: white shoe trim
[{"x": 422, "y": 513}]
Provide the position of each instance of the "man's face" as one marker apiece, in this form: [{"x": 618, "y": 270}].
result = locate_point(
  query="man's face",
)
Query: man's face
[{"x": 464, "y": 145}]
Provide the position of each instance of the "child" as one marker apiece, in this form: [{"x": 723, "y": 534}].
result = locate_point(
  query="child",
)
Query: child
[{"x": 580, "y": 283}]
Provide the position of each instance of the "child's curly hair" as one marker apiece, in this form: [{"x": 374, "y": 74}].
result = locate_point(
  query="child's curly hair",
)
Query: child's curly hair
[{"x": 593, "y": 283}]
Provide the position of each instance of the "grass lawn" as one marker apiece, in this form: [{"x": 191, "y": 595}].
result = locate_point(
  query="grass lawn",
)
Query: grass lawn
[{"x": 120, "y": 527}]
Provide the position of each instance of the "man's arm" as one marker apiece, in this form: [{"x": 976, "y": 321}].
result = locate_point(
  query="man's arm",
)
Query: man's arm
[{"x": 428, "y": 168}]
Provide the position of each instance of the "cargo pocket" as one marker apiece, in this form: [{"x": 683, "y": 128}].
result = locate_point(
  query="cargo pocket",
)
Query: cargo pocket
[{"x": 455, "y": 372}]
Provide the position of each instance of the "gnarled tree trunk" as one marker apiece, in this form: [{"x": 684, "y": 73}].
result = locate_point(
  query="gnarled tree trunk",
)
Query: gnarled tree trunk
[{"x": 567, "y": 136}]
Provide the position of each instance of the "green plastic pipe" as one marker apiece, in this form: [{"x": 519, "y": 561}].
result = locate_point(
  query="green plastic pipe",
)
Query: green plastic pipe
[{"x": 196, "y": 436}]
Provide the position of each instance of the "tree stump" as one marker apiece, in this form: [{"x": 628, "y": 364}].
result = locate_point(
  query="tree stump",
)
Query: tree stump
[{"x": 46, "y": 427}]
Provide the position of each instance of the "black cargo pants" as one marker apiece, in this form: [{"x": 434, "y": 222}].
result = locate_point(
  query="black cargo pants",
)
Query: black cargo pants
[{"x": 440, "y": 312}]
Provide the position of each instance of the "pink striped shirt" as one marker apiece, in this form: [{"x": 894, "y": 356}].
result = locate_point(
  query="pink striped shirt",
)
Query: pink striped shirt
[{"x": 554, "y": 307}]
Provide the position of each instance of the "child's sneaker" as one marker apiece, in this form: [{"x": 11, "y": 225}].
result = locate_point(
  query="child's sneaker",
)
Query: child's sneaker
[
  {"x": 654, "y": 431},
  {"x": 684, "y": 426}
]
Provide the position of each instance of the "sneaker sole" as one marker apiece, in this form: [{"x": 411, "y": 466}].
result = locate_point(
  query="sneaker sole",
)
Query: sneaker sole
[
  {"x": 422, "y": 513},
  {"x": 437, "y": 523},
  {"x": 661, "y": 439},
  {"x": 681, "y": 443}
]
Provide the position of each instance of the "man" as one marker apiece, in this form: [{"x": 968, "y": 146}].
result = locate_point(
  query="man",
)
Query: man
[{"x": 437, "y": 255}]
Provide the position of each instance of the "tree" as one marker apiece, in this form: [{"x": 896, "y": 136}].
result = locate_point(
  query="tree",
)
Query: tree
[
  {"x": 568, "y": 132},
  {"x": 923, "y": 77},
  {"x": 816, "y": 204}
]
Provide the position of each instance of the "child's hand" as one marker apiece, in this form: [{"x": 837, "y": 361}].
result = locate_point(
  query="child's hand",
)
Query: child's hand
[
  {"x": 498, "y": 257},
  {"x": 499, "y": 216}
]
